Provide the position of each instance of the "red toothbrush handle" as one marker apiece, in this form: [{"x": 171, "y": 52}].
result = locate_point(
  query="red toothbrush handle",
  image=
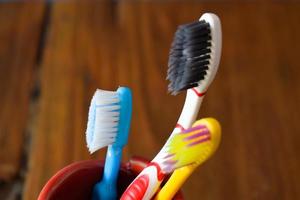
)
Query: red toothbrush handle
[{"x": 137, "y": 189}]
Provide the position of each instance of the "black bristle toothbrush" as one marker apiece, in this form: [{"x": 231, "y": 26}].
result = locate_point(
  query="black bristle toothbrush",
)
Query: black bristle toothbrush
[{"x": 193, "y": 63}]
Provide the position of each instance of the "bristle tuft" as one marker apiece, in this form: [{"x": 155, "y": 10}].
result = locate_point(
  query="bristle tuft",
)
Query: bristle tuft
[
  {"x": 103, "y": 120},
  {"x": 189, "y": 56}
]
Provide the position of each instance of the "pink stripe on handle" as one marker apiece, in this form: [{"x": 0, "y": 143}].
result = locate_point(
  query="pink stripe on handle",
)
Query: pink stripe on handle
[
  {"x": 199, "y": 94},
  {"x": 193, "y": 129},
  {"x": 169, "y": 155},
  {"x": 170, "y": 162},
  {"x": 168, "y": 169},
  {"x": 160, "y": 174},
  {"x": 199, "y": 141},
  {"x": 180, "y": 127},
  {"x": 137, "y": 189},
  {"x": 198, "y": 134}
]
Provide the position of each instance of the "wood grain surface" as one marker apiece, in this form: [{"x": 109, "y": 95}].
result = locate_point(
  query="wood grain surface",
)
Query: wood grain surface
[
  {"x": 19, "y": 38},
  {"x": 105, "y": 44}
]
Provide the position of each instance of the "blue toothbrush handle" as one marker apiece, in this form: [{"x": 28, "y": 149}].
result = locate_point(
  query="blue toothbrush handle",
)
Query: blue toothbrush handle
[{"x": 106, "y": 189}]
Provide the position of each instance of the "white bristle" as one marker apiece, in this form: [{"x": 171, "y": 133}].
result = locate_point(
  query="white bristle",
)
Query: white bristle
[{"x": 103, "y": 120}]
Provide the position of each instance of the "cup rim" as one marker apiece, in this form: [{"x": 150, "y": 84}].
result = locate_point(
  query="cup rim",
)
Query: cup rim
[{"x": 59, "y": 178}]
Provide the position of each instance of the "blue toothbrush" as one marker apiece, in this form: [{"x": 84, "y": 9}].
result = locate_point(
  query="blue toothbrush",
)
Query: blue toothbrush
[{"x": 108, "y": 125}]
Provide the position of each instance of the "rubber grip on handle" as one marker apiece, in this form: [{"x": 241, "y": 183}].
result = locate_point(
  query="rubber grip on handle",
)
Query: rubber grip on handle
[{"x": 137, "y": 189}]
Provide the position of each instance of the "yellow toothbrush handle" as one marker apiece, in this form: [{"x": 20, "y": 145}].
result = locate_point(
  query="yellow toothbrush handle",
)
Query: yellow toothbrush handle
[
  {"x": 175, "y": 182},
  {"x": 180, "y": 175}
]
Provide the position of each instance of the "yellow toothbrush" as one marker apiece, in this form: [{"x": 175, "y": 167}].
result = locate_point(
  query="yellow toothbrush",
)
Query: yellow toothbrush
[{"x": 208, "y": 148}]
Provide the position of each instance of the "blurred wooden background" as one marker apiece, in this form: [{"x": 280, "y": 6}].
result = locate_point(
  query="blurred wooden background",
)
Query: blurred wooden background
[{"x": 54, "y": 55}]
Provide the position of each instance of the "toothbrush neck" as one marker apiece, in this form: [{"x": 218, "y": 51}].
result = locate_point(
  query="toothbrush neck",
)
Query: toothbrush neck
[
  {"x": 198, "y": 92},
  {"x": 191, "y": 107},
  {"x": 112, "y": 163},
  {"x": 187, "y": 117}
]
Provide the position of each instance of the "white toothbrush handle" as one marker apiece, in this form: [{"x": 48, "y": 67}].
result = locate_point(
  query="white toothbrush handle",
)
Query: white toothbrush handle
[
  {"x": 148, "y": 181},
  {"x": 195, "y": 95},
  {"x": 145, "y": 184},
  {"x": 187, "y": 117},
  {"x": 190, "y": 109}
]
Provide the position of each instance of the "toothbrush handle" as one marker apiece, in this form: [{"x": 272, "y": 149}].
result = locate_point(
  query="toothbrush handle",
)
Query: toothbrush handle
[
  {"x": 175, "y": 182},
  {"x": 193, "y": 101},
  {"x": 107, "y": 187},
  {"x": 112, "y": 164},
  {"x": 145, "y": 184},
  {"x": 190, "y": 109}
]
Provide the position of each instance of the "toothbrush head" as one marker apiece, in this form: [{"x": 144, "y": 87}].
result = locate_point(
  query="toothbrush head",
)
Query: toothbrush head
[
  {"x": 195, "y": 54},
  {"x": 193, "y": 145},
  {"x": 109, "y": 118}
]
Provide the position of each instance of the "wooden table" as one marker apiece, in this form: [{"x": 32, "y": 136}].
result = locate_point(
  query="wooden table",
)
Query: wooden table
[{"x": 54, "y": 55}]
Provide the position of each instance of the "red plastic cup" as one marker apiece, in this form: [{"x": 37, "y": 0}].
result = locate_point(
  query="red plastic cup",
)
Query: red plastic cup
[{"x": 76, "y": 180}]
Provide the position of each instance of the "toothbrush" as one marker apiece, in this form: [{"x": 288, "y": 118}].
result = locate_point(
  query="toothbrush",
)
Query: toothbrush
[
  {"x": 180, "y": 150},
  {"x": 194, "y": 60},
  {"x": 185, "y": 48},
  {"x": 108, "y": 125},
  {"x": 186, "y": 55},
  {"x": 193, "y": 63},
  {"x": 180, "y": 175}
]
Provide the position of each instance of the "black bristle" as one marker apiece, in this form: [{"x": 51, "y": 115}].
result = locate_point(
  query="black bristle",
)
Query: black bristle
[{"x": 189, "y": 56}]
